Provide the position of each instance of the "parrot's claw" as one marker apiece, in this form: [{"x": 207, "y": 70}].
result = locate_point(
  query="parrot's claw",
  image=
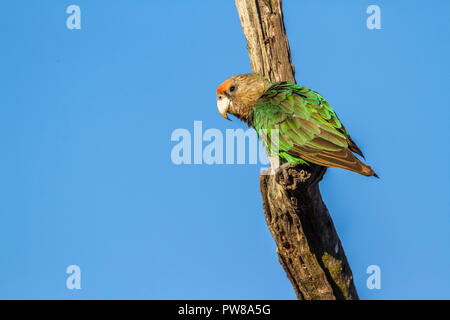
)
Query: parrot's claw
[
  {"x": 291, "y": 179},
  {"x": 283, "y": 171}
]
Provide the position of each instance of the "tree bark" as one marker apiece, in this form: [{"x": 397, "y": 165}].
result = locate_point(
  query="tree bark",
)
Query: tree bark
[{"x": 308, "y": 246}]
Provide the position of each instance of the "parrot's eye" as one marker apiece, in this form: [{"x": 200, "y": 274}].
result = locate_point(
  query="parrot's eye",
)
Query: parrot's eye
[{"x": 232, "y": 88}]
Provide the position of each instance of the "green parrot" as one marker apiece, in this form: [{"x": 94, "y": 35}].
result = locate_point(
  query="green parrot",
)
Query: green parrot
[{"x": 308, "y": 130}]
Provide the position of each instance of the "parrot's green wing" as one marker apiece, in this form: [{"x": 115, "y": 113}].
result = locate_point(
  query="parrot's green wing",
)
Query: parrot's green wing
[{"x": 308, "y": 128}]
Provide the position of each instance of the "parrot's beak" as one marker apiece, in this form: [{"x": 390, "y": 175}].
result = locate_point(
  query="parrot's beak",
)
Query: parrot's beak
[{"x": 223, "y": 104}]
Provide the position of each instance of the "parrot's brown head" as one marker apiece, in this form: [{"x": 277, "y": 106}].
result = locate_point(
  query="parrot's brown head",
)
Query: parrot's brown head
[{"x": 238, "y": 95}]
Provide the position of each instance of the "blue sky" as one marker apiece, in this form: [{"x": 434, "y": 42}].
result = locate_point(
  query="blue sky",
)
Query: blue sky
[{"x": 86, "y": 176}]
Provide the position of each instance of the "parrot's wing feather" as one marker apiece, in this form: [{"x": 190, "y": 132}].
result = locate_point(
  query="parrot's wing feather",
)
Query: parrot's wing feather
[{"x": 307, "y": 127}]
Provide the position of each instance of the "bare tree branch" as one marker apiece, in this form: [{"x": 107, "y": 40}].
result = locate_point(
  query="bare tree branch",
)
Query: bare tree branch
[{"x": 308, "y": 246}]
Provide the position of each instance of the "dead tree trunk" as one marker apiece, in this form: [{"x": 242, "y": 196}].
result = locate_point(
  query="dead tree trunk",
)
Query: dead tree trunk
[{"x": 308, "y": 246}]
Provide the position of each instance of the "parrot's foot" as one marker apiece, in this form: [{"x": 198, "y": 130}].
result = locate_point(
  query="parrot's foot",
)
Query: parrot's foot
[
  {"x": 290, "y": 175},
  {"x": 283, "y": 171}
]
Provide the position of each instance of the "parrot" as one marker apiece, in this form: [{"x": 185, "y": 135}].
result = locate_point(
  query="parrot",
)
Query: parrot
[{"x": 308, "y": 129}]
